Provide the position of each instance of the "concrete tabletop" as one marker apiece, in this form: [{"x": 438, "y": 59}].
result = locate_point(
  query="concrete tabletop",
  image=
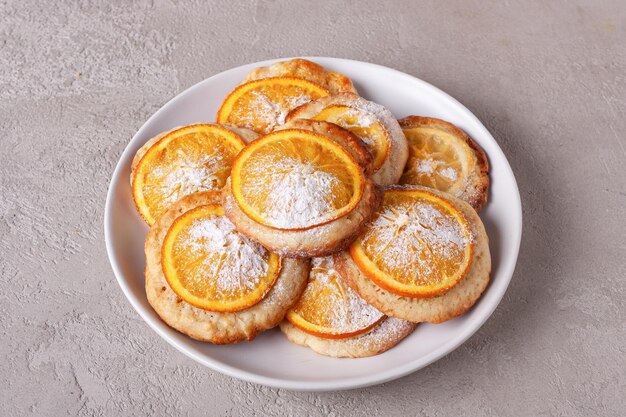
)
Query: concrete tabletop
[{"x": 78, "y": 78}]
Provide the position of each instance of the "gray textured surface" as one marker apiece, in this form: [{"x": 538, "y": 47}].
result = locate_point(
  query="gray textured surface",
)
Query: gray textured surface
[{"x": 77, "y": 80}]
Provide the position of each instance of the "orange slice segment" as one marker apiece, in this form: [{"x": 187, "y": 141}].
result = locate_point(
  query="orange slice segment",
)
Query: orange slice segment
[
  {"x": 437, "y": 159},
  {"x": 213, "y": 267},
  {"x": 263, "y": 104},
  {"x": 329, "y": 308},
  {"x": 419, "y": 244},
  {"x": 296, "y": 179},
  {"x": 363, "y": 124},
  {"x": 187, "y": 160}
]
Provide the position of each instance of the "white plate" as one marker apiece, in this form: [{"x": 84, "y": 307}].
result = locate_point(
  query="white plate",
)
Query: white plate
[{"x": 271, "y": 359}]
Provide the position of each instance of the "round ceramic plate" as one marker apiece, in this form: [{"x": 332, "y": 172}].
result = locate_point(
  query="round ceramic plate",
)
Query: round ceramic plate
[{"x": 270, "y": 359}]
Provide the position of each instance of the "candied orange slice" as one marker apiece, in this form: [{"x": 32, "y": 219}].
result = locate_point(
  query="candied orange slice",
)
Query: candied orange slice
[
  {"x": 419, "y": 244},
  {"x": 212, "y": 266},
  {"x": 296, "y": 179},
  {"x": 329, "y": 308},
  {"x": 437, "y": 159},
  {"x": 363, "y": 124},
  {"x": 263, "y": 104},
  {"x": 187, "y": 160}
]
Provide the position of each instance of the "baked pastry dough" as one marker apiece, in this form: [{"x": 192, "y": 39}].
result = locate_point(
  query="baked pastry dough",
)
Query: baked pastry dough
[
  {"x": 212, "y": 326},
  {"x": 382, "y": 337},
  {"x": 333, "y": 81},
  {"x": 321, "y": 239},
  {"x": 373, "y": 123},
  {"x": 437, "y": 309}
]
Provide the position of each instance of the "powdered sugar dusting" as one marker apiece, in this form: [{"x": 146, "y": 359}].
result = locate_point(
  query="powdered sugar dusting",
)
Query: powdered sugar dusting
[
  {"x": 364, "y": 119},
  {"x": 361, "y": 118},
  {"x": 186, "y": 176},
  {"x": 378, "y": 111},
  {"x": 341, "y": 308},
  {"x": 435, "y": 173},
  {"x": 438, "y": 167},
  {"x": 425, "y": 166},
  {"x": 223, "y": 259},
  {"x": 412, "y": 237},
  {"x": 194, "y": 166},
  {"x": 357, "y": 121},
  {"x": 267, "y": 108},
  {"x": 383, "y": 336},
  {"x": 449, "y": 173},
  {"x": 299, "y": 194}
]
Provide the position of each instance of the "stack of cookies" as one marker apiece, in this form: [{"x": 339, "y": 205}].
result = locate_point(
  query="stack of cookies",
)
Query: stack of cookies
[{"x": 308, "y": 207}]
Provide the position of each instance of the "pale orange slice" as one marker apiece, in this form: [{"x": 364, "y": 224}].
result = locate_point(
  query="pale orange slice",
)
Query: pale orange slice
[
  {"x": 263, "y": 104},
  {"x": 418, "y": 245},
  {"x": 296, "y": 179},
  {"x": 187, "y": 160},
  {"x": 212, "y": 266},
  {"x": 438, "y": 159},
  {"x": 363, "y": 124},
  {"x": 329, "y": 308}
]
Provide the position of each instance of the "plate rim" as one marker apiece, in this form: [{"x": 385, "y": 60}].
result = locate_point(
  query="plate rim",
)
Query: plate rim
[{"x": 467, "y": 331}]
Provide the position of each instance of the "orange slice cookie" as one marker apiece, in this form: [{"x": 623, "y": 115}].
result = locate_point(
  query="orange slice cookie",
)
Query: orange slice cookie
[
  {"x": 296, "y": 179},
  {"x": 301, "y": 191},
  {"x": 181, "y": 162},
  {"x": 371, "y": 122},
  {"x": 333, "y": 320},
  {"x": 263, "y": 104},
  {"x": 424, "y": 257},
  {"x": 443, "y": 157},
  {"x": 419, "y": 245},
  {"x": 328, "y": 308},
  {"x": 212, "y": 283},
  {"x": 211, "y": 266}
]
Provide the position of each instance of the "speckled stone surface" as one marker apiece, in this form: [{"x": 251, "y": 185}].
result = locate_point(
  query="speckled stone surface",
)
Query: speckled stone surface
[{"x": 78, "y": 78}]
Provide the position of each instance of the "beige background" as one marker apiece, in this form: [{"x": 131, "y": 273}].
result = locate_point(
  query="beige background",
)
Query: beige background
[{"x": 77, "y": 79}]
